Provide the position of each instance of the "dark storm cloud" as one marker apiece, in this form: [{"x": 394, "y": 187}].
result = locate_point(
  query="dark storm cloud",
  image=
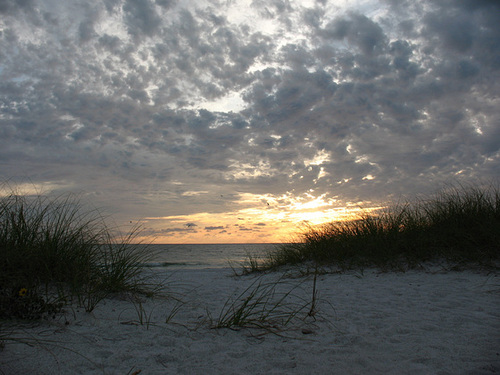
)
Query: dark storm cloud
[{"x": 351, "y": 105}]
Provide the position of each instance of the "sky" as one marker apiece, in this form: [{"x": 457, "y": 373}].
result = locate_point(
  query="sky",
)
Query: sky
[{"x": 239, "y": 121}]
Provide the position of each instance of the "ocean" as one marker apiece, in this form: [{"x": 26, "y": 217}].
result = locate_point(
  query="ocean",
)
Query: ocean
[{"x": 200, "y": 256}]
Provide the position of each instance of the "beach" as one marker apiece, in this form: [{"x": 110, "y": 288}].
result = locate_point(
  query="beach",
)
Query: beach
[{"x": 418, "y": 322}]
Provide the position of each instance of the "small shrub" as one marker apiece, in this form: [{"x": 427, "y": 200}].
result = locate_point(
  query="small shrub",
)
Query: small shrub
[{"x": 29, "y": 305}]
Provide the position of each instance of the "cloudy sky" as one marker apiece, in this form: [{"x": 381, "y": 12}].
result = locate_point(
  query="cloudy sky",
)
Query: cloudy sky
[{"x": 238, "y": 120}]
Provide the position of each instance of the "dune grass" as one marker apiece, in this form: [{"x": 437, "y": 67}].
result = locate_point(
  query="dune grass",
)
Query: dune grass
[
  {"x": 53, "y": 252},
  {"x": 458, "y": 226},
  {"x": 268, "y": 305}
]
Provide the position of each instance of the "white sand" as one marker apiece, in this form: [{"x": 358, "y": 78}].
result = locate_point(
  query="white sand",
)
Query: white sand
[{"x": 412, "y": 323}]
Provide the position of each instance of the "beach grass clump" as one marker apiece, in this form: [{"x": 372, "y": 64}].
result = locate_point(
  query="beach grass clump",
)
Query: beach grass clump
[
  {"x": 52, "y": 252},
  {"x": 267, "y": 305},
  {"x": 460, "y": 226}
]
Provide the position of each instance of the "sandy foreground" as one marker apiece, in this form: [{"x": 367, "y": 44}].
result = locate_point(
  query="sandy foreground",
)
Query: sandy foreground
[{"x": 419, "y": 322}]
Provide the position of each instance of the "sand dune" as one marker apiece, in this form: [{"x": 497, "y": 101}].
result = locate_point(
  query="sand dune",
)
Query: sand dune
[{"x": 365, "y": 323}]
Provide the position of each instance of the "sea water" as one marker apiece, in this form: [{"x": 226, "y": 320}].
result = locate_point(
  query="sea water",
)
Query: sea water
[{"x": 200, "y": 256}]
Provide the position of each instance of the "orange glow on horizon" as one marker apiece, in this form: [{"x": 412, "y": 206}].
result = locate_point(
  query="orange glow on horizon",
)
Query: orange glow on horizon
[{"x": 261, "y": 219}]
